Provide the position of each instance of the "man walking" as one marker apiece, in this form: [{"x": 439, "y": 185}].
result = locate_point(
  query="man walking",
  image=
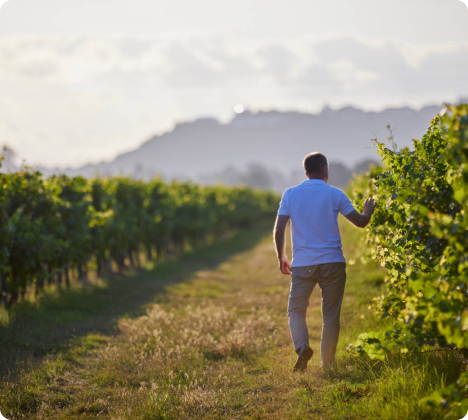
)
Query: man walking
[{"x": 313, "y": 208}]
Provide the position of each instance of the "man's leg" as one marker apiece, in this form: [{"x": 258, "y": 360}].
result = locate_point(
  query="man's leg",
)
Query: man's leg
[
  {"x": 332, "y": 282},
  {"x": 302, "y": 284}
]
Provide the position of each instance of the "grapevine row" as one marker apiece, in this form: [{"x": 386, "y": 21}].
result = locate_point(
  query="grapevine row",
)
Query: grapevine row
[
  {"x": 52, "y": 227},
  {"x": 419, "y": 233}
]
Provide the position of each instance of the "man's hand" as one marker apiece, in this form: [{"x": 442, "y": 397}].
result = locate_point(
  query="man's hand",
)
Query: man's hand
[
  {"x": 369, "y": 206},
  {"x": 285, "y": 265},
  {"x": 279, "y": 238},
  {"x": 361, "y": 220}
]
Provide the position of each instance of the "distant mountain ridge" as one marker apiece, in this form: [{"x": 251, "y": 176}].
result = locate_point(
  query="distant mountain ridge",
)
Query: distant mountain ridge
[{"x": 274, "y": 140}]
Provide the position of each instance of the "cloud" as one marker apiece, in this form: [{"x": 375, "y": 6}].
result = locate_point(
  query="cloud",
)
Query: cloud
[
  {"x": 39, "y": 68},
  {"x": 135, "y": 47},
  {"x": 325, "y": 67},
  {"x": 111, "y": 92},
  {"x": 444, "y": 71},
  {"x": 187, "y": 68},
  {"x": 318, "y": 80},
  {"x": 382, "y": 59},
  {"x": 278, "y": 60},
  {"x": 205, "y": 62},
  {"x": 383, "y": 68}
]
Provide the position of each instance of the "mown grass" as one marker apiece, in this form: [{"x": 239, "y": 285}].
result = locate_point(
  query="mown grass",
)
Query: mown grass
[{"x": 206, "y": 336}]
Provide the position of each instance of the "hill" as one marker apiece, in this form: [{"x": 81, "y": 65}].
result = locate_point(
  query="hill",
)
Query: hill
[{"x": 266, "y": 147}]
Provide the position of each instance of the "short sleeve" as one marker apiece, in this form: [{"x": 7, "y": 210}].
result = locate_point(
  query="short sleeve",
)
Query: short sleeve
[
  {"x": 283, "y": 208},
  {"x": 345, "y": 205}
]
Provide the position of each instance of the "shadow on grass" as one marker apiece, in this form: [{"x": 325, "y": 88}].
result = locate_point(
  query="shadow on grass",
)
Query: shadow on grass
[{"x": 40, "y": 329}]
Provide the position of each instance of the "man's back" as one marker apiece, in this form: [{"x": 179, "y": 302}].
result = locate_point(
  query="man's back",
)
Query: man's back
[{"x": 313, "y": 208}]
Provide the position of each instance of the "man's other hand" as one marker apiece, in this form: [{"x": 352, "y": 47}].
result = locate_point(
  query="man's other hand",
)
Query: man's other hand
[{"x": 285, "y": 266}]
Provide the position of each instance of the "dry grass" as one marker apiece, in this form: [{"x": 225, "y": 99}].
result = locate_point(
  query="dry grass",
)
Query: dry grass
[{"x": 217, "y": 346}]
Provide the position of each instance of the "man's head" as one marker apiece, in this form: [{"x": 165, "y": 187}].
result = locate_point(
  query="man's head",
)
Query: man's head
[{"x": 316, "y": 166}]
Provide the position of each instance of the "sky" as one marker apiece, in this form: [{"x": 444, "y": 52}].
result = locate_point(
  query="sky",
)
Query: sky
[{"x": 84, "y": 80}]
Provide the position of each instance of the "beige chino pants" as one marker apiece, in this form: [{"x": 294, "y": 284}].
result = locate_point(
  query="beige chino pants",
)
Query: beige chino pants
[{"x": 331, "y": 278}]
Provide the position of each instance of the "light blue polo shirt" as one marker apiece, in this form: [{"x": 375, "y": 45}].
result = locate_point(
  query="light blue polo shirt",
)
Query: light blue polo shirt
[{"x": 313, "y": 208}]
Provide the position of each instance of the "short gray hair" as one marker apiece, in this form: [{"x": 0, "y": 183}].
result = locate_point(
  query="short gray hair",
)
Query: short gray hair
[{"x": 314, "y": 162}]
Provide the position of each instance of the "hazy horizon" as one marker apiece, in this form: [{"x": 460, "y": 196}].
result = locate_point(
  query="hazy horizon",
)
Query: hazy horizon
[
  {"x": 227, "y": 121},
  {"x": 85, "y": 81}
]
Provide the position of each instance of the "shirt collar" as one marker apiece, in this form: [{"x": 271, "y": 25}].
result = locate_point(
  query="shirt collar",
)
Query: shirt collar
[{"x": 313, "y": 181}]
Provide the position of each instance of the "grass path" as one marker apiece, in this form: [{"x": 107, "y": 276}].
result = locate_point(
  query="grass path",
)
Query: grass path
[{"x": 205, "y": 337}]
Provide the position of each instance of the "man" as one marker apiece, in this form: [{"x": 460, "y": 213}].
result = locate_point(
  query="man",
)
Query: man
[{"x": 313, "y": 208}]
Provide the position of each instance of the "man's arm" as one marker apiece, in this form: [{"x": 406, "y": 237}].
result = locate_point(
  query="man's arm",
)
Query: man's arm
[
  {"x": 362, "y": 219},
  {"x": 279, "y": 239}
]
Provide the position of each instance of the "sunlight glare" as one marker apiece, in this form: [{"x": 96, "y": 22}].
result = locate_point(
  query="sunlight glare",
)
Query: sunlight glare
[{"x": 238, "y": 109}]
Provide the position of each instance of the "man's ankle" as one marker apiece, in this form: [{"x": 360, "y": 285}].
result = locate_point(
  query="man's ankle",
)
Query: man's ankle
[{"x": 299, "y": 349}]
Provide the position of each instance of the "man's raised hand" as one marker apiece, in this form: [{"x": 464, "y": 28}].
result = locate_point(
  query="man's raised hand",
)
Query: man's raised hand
[{"x": 369, "y": 206}]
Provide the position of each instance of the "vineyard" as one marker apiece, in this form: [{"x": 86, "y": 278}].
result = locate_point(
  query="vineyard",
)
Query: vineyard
[
  {"x": 52, "y": 228},
  {"x": 190, "y": 320},
  {"x": 419, "y": 233}
]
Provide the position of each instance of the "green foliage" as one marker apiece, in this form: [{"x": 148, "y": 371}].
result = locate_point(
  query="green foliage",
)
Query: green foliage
[
  {"x": 48, "y": 226},
  {"x": 454, "y": 396},
  {"x": 419, "y": 234}
]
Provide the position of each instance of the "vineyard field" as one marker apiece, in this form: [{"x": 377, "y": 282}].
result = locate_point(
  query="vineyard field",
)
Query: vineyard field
[
  {"x": 229, "y": 289},
  {"x": 51, "y": 228},
  {"x": 184, "y": 315}
]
